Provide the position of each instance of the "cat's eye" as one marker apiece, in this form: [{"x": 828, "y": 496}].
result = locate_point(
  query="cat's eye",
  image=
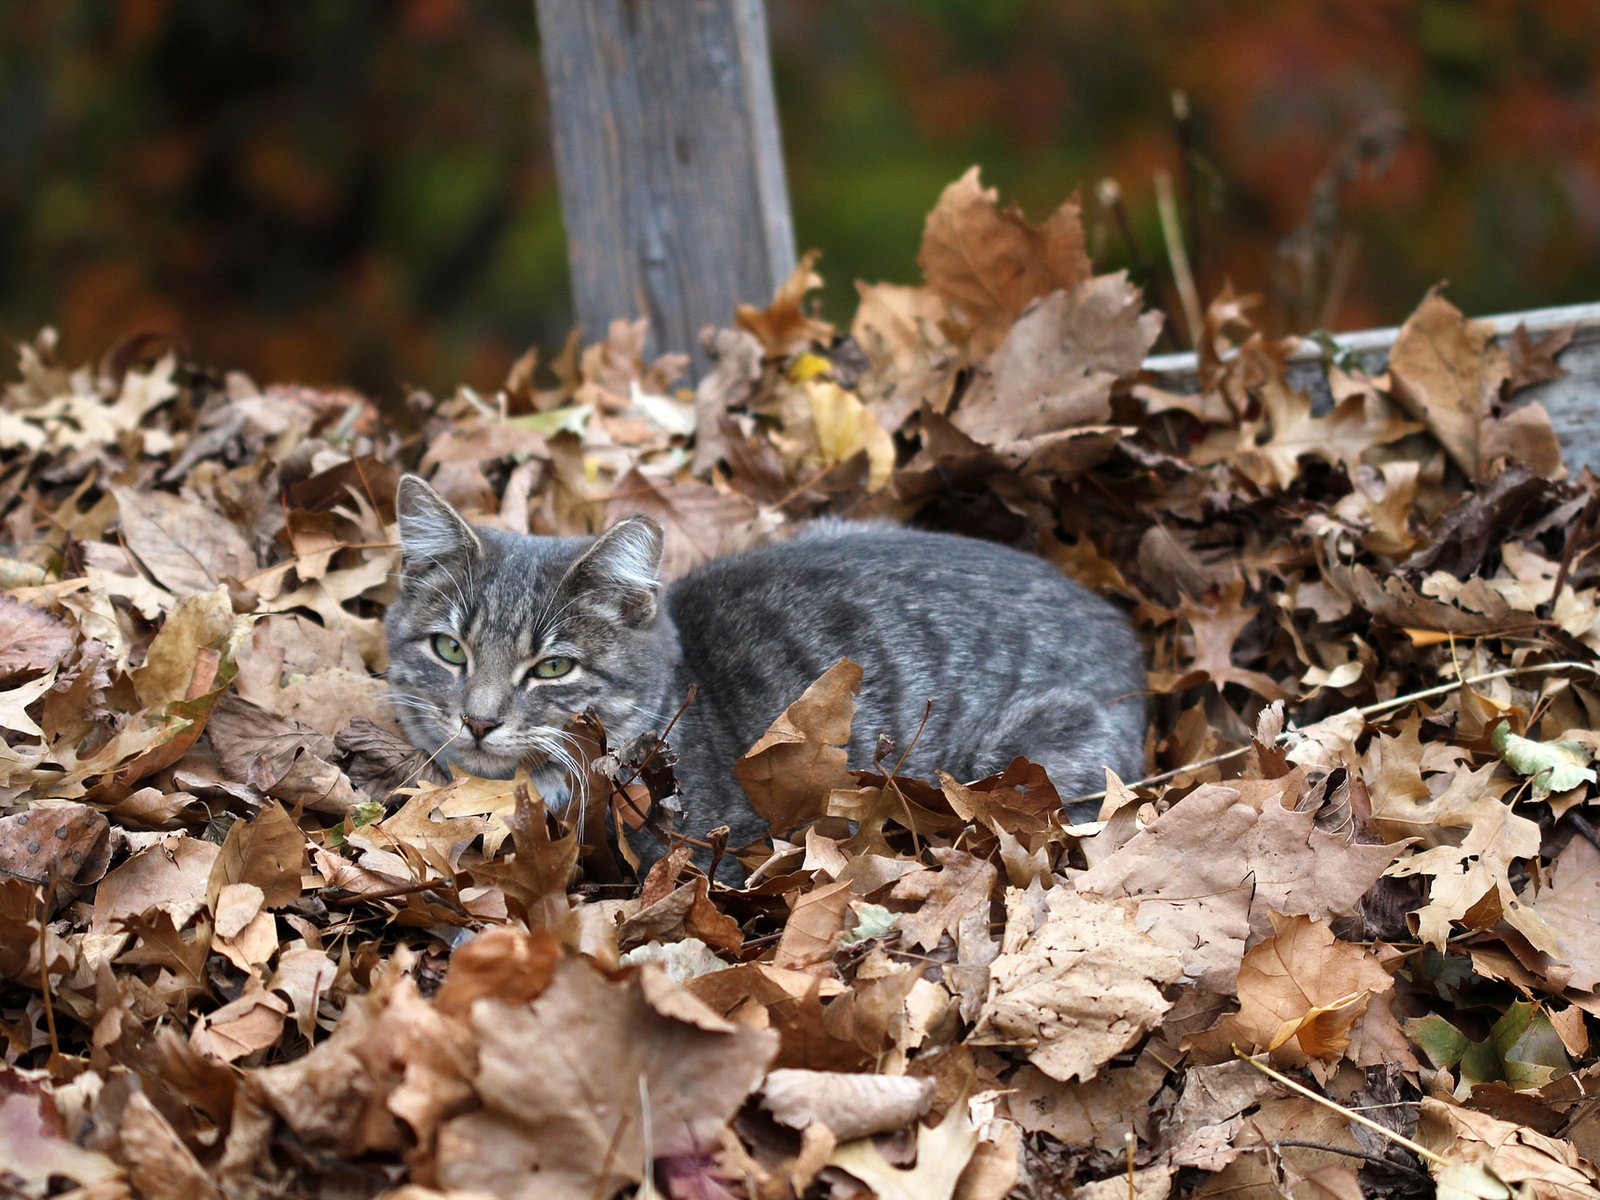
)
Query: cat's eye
[
  {"x": 447, "y": 648},
  {"x": 553, "y": 667}
]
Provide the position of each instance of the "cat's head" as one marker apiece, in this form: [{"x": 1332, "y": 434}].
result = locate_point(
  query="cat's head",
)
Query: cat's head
[{"x": 497, "y": 639}]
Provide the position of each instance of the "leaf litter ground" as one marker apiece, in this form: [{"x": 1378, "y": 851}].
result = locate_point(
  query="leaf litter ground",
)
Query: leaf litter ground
[{"x": 252, "y": 944}]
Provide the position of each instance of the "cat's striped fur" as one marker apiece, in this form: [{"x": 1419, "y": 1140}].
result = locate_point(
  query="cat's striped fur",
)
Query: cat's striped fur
[{"x": 1017, "y": 659}]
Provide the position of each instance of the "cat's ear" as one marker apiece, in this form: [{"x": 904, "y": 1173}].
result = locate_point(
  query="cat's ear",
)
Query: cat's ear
[
  {"x": 430, "y": 529},
  {"x": 624, "y": 565}
]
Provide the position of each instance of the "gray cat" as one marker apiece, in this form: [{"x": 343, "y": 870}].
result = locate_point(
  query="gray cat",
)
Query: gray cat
[{"x": 496, "y": 639}]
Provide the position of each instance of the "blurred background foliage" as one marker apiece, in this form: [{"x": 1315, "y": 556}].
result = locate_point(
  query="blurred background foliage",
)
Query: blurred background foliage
[{"x": 362, "y": 190}]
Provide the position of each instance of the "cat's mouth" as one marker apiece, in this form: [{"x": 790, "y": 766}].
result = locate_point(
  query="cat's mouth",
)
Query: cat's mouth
[{"x": 487, "y": 763}]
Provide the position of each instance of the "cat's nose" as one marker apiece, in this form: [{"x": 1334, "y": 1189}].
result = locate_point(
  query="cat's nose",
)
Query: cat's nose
[{"x": 481, "y": 727}]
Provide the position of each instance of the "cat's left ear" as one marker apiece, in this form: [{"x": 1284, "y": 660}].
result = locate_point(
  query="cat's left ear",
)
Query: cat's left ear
[
  {"x": 430, "y": 529},
  {"x": 624, "y": 566}
]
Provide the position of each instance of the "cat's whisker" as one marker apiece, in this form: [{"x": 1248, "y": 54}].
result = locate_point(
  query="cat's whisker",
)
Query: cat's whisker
[{"x": 416, "y": 702}]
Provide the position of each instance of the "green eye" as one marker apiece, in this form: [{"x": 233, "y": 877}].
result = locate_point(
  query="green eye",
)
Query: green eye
[
  {"x": 447, "y": 648},
  {"x": 553, "y": 668}
]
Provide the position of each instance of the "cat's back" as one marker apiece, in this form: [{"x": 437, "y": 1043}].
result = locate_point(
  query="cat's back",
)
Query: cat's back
[{"x": 924, "y": 603}]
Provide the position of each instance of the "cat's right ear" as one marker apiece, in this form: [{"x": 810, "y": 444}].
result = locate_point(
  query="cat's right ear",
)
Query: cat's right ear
[
  {"x": 624, "y": 566},
  {"x": 430, "y": 529}
]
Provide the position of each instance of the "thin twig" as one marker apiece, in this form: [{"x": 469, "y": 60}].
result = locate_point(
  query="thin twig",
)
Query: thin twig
[
  {"x": 1376, "y": 1160},
  {"x": 1579, "y": 530},
  {"x": 44, "y": 967},
  {"x": 1188, "y": 153},
  {"x": 1370, "y": 710},
  {"x": 1381, "y": 1130},
  {"x": 1109, "y": 192},
  {"x": 1172, "y": 232}
]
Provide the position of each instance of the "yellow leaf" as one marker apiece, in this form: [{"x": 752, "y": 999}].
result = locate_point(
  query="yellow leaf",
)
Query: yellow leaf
[
  {"x": 808, "y": 366},
  {"x": 845, "y": 427}
]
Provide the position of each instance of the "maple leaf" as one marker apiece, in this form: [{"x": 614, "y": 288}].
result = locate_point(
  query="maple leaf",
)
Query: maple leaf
[
  {"x": 783, "y": 327},
  {"x": 1215, "y": 628},
  {"x": 1535, "y": 362},
  {"x": 943, "y": 1153},
  {"x": 1448, "y": 375},
  {"x": 792, "y": 768},
  {"x": 568, "y": 1105},
  {"x": 989, "y": 264},
  {"x": 1055, "y": 368},
  {"x": 1212, "y": 867},
  {"x": 1052, "y": 989},
  {"x": 1300, "y": 993},
  {"x": 1269, "y": 450},
  {"x": 1471, "y": 881},
  {"x": 534, "y": 878},
  {"x": 953, "y": 897}
]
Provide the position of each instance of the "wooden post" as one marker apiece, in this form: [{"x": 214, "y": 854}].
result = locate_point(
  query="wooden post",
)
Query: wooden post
[{"x": 670, "y": 165}]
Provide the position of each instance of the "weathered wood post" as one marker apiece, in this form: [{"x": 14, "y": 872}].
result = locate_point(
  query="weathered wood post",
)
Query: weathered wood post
[{"x": 670, "y": 165}]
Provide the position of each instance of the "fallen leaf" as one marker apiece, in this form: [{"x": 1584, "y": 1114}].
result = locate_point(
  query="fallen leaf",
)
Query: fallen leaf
[
  {"x": 1538, "y": 1166},
  {"x": 30, "y": 639},
  {"x": 1300, "y": 992},
  {"x": 943, "y": 1152},
  {"x": 189, "y": 549},
  {"x": 1557, "y": 766},
  {"x": 989, "y": 264},
  {"x": 1569, "y": 906},
  {"x": 1052, "y": 989},
  {"x": 783, "y": 327},
  {"x": 33, "y": 1147},
  {"x": 1055, "y": 368},
  {"x": 567, "y": 1104},
  {"x": 790, "y": 771},
  {"x": 851, "y": 1106}
]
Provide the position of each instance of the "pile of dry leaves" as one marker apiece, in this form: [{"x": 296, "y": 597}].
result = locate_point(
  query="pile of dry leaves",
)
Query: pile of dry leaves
[{"x": 249, "y": 948}]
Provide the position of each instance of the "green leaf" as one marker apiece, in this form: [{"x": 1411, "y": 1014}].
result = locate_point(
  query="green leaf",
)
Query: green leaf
[
  {"x": 1530, "y": 1050},
  {"x": 1554, "y": 766},
  {"x": 1522, "y": 1049},
  {"x": 569, "y": 418},
  {"x": 872, "y": 920},
  {"x": 1441, "y": 1041}
]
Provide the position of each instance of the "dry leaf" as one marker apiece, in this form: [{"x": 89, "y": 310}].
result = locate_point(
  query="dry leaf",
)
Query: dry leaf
[
  {"x": 1051, "y": 990},
  {"x": 851, "y": 1106},
  {"x": 989, "y": 265},
  {"x": 567, "y": 1102},
  {"x": 792, "y": 768}
]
